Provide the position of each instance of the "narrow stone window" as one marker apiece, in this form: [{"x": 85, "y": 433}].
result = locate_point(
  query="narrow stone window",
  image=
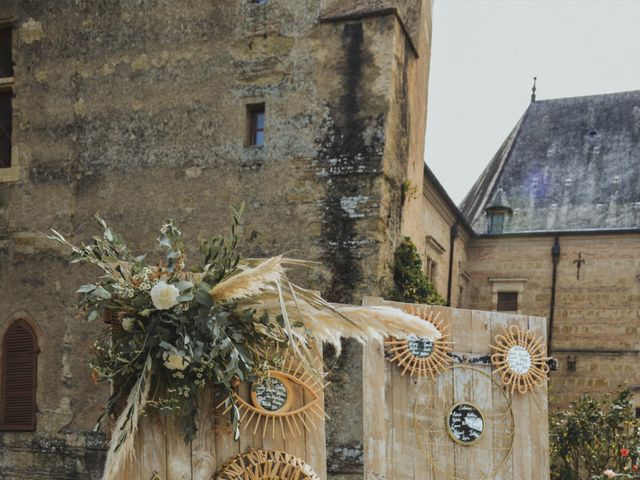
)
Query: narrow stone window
[
  {"x": 19, "y": 376},
  {"x": 507, "y": 302},
  {"x": 260, "y": 2},
  {"x": 6, "y": 95},
  {"x": 255, "y": 124},
  {"x": 496, "y": 222},
  {"x": 431, "y": 269}
]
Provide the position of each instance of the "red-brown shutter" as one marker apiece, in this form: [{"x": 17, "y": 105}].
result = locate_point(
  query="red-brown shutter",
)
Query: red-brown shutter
[{"x": 19, "y": 374}]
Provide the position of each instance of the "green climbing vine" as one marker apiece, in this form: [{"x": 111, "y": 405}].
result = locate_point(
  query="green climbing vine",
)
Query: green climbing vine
[{"x": 411, "y": 285}]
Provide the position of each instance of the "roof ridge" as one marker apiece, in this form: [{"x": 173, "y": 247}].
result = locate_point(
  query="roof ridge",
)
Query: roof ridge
[
  {"x": 594, "y": 95},
  {"x": 504, "y": 152}
]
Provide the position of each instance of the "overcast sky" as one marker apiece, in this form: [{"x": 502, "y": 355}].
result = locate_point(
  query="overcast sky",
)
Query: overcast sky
[{"x": 485, "y": 54}]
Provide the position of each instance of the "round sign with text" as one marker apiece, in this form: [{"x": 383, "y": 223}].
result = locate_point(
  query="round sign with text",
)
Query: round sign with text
[{"x": 465, "y": 423}]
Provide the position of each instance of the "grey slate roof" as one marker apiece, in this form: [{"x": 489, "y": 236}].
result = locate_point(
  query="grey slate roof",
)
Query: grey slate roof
[{"x": 569, "y": 164}]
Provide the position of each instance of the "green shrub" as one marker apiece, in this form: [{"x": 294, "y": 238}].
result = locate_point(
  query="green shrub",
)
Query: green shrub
[
  {"x": 594, "y": 436},
  {"x": 411, "y": 284}
]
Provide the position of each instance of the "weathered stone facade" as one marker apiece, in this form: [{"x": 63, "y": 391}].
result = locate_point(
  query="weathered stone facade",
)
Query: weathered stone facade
[{"x": 137, "y": 109}]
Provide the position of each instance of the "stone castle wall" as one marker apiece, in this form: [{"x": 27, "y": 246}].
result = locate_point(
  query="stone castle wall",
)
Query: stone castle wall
[{"x": 136, "y": 110}]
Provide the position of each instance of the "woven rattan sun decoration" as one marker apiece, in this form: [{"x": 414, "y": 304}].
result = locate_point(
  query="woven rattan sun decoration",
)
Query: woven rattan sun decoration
[
  {"x": 519, "y": 358},
  {"x": 266, "y": 465},
  {"x": 465, "y": 415},
  {"x": 288, "y": 400},
  {"x": 420, "y": 356}
]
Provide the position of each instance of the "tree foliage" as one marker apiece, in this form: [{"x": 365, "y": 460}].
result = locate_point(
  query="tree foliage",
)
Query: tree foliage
[
  {"x": 595, "y": 439},
  {"x": 411, "y": 284}
]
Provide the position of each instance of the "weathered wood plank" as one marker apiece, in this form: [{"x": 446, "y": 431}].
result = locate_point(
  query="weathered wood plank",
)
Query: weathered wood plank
[
  {"x": 482, "y": 452},
  {"x": 499, "y": 323},
  {"x": 373, "y": 408},
  {"x": 203, "y": 448},
  {"x": 226, "y": 448},
  {"x": 178, "y": 452},
  {"x": 522, "y": 461},
  {"x": 313, "y": 451},
  {"x": 463, "y": 387},
  {"x": 153, "y": 451},
  {"x": 539, "y": 412}
]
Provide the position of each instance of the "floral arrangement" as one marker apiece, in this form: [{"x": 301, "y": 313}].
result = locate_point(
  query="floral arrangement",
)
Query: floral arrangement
[{"x": 219, "y": 322}]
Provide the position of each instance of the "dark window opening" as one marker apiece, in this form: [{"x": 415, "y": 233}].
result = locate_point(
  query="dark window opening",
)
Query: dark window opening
[
  {"x": 496, "y": 222},
  {"x": 5, "y": 129},
  {"x": 255, "y": 124},
  {"x": 19, "y": 376},
  {"x": 593, "y": 133},
  {"x": 431, "y": 270},
  {"x": 6, "y": 63},
  {"x": 637, "y": 412},
  {"x": 260, "y": 2},
  {"x": 507, "y": 302}
]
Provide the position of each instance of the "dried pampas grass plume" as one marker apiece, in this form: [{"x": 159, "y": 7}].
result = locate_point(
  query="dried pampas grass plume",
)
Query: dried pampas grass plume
[
  {"x": 122, "y": 449},
  {"x": 250, "y": 282}
]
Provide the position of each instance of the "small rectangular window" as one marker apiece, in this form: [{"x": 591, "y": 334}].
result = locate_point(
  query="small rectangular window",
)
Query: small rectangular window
[
  {"x": 260, "y": 2},
  {"x": 431, "y": 269},
  {"x": 496, "y": 222},
  {"x": 637, "y": 412},
  {"x": 5, "y": 129},
  {"x": 255, "y": 124},
  {"x": 6, "y": 63},
  {"x": 6, "y": 95},
  {"x": 507, "y": 302}
]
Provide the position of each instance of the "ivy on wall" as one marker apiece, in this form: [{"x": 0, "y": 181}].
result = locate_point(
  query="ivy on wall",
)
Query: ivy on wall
[{"x": 411, "y": 285}]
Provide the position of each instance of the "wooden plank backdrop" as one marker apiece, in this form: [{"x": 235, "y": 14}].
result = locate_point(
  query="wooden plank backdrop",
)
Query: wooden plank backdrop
[
  {"x": 161, "y": 450},
  {"x": 392, "y": 449}
]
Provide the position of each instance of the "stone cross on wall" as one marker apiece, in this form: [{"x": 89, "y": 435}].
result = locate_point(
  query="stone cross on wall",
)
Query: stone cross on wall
[{"x": 578, "y": 263}]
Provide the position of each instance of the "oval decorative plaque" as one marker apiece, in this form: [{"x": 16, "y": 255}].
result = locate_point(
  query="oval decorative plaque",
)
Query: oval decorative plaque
[
  {"x": 272, "y": 394},
  {"x": 420, "y": 347},
  {"x": 465, "y": 423},
  {"x": 519, "y": 359},
  {"x": 420, "y": 356},
  {"x": 284, "y": 402}
]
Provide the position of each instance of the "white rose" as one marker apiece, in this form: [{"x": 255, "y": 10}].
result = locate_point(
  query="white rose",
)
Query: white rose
[
  {"x": 175, "y": 362},
  {"x": 164, "y": 296},
  {"x": 128, "y": 324}
]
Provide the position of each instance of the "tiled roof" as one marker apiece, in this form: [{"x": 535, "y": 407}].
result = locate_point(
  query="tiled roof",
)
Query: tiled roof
[{"x": 569, "y": 164}]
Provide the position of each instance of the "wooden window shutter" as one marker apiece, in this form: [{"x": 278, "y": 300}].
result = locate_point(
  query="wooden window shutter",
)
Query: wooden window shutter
[{"x": 19, "y": 376}]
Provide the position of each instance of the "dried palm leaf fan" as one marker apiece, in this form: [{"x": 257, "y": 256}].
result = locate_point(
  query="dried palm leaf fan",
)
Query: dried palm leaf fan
[
  {"x": 423, "y": 356},
  {"x": 520, "y": 360},
  {"x": 266, "y": 465}
]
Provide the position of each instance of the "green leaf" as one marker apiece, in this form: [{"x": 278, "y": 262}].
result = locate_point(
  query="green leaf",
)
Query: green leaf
[
  {"x": 183, "y": 285},
  {"x": 86, "y": 288},
  {"x": 187, "y": 297},
  {"x": 100, "y": 292}
]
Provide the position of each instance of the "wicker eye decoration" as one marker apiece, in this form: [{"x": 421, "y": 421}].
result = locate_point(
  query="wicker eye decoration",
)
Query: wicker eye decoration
[
  {"x": 266, "y": 465},
  {"x": 519, "y": 358},
  {"x": 288, "y": 400},
  {"x": 420, "y": 356}
]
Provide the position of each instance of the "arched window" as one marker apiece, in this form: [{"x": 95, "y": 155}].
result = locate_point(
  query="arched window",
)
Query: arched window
[{"x": 19, "y": 375}]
